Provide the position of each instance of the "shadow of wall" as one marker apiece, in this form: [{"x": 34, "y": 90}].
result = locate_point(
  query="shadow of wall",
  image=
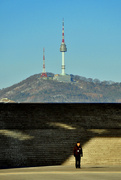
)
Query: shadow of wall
[{"x": 45, "y": 134}]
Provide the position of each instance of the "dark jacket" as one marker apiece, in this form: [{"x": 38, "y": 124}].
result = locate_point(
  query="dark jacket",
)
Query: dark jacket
[{"x": 77, "y": 151}]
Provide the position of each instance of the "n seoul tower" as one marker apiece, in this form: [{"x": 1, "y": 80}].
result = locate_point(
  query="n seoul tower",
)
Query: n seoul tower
[
  {"x": 63, "y": 77},
  {"x": 63, "y": 49}
]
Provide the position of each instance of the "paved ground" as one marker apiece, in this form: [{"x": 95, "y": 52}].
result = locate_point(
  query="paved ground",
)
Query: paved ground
[{"x": 61, "y": 173}]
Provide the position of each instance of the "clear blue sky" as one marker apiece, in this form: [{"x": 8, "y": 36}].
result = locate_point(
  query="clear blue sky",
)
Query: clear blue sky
[{"x": 92, "y": 36}]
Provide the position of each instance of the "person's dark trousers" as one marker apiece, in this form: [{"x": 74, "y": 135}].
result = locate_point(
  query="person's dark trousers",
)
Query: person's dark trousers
[{"x": 77, "y": 159}]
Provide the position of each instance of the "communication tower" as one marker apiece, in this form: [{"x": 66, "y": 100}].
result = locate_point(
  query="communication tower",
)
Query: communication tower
[
  {"x": 63, "y": 49},
  {"x": 44, "y": 74}
]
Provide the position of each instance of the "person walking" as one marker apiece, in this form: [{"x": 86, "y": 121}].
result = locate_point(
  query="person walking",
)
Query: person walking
[{"x": 77, "y": 151}]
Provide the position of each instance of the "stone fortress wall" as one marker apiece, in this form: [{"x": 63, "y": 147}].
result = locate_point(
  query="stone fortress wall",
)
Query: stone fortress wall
[{"x": 40, "y": 134}]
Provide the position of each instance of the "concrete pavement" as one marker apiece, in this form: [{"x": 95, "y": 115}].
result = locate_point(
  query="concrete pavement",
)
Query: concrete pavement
[{"x": 61, "y": 173}]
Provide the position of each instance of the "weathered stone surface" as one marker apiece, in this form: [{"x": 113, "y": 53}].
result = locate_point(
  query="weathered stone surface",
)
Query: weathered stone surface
[{"x": 45, "y": 134}]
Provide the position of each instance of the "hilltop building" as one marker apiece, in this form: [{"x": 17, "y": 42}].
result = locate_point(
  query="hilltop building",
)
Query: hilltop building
[{"x": 6, "y": 100}]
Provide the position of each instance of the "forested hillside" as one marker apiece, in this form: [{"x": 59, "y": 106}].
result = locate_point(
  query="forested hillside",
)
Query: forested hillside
[{"x": 35, "y": 89}]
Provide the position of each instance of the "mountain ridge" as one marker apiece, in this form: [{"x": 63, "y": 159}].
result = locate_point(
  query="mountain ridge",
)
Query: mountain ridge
[{"x": 81, "y": 89}]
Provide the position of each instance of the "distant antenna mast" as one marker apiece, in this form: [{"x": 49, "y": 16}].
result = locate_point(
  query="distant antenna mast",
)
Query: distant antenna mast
[{"x": 43, "y": 72}]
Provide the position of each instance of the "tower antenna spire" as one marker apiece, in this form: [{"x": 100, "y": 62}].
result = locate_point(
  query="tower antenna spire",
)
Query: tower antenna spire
[
  {"x": 63, "y": 49},
  {"x": 44, "y": 74}
]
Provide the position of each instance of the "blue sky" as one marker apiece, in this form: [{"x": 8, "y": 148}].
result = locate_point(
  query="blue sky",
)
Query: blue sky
[{"x": 92, "y": 36}]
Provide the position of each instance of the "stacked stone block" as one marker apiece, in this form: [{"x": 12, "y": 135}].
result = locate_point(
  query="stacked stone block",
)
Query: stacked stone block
[{"x": 45, "y": 134}]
